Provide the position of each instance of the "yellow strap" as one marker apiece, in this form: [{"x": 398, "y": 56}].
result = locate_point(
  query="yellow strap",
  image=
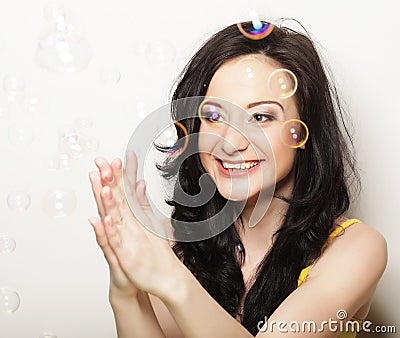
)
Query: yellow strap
[{"x": 333, "y": 234}]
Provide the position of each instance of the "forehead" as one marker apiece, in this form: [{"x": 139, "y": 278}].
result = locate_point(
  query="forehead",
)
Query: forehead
[{"x": 244, "y": 80}]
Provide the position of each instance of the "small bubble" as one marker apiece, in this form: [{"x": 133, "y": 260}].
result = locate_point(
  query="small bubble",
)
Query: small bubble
[
  {"x": 9, "y": 300},
  {"x": 21, "y": 134},
  {"x": 7, "y": 245},
  {"x": 111, "y": 76},
  {"x": 59, "y": 203},
  {"x": 18, "y": 200}
]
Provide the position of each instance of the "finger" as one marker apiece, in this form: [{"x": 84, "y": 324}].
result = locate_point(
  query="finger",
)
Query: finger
[
  {"x": 116, "y": 166},
  {"x": 102, "y": 241},
  {"x": 95, "y": 181},
  {"x": 161, "y": 227},
  {"x": 111, "y": 207},
  {"x": 105, "y": 169},
  {"x": 130, "y": 176}
]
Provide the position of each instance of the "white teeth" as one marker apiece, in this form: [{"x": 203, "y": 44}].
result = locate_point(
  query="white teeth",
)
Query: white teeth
[{"x": 243, "y": 165}]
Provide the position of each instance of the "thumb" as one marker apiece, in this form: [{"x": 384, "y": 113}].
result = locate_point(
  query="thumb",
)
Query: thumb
[{"x": 141, "y": 195}]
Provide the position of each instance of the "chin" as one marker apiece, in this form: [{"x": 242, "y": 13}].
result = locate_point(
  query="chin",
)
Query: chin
[{"x": 237, "y": 196}]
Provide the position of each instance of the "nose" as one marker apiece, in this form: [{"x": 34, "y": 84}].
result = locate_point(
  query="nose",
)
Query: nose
[{"x": 233, "y": 141}]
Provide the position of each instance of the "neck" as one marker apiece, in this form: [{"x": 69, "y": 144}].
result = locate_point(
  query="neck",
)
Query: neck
[{"x": 261, "y": 234}]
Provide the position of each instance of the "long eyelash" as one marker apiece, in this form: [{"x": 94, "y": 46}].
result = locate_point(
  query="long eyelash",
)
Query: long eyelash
[{"x": 268, "y": 116}]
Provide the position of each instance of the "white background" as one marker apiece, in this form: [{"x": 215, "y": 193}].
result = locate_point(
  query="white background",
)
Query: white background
[{"x": 57, "y": 268}]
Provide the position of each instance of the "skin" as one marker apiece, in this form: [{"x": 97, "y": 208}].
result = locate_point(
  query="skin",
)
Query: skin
[{"x": 345, "y": 276}]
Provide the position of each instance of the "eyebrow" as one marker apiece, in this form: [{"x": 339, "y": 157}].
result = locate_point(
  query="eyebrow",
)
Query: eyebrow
[
  {"x": 253, "y": 104},
  {"x": 250, "y": 105}
]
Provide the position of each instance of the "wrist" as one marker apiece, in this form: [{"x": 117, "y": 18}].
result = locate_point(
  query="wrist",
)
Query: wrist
[
  {"x": 177, "y": 290},
  {"x": 118, "y": 297}
]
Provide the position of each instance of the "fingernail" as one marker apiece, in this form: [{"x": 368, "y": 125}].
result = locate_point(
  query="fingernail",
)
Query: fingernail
[
  {"x": 92, "y": 220},
  {"x": 118, "y": 163}
]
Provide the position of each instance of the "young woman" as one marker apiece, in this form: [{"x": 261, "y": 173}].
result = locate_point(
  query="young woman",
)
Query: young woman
[{"x": 303, "y": 261}]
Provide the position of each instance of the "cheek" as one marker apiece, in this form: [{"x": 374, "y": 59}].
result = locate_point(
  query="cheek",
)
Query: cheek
[{"x": 284, "y": 160}]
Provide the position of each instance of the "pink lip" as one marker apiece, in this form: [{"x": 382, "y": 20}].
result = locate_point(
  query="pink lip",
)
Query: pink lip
[{"x": 227, "y": 173}]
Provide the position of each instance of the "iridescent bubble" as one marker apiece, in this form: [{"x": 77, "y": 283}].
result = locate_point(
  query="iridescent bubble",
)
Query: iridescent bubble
[
  {"x": 9, "y": 300},
  {"x": 294, "y": 133},
  {"x": 59, "y": 203},
  {"x": 168, "y": 139},
  {"x": 111, "y": 75},
  {"x": 282, "y": 83},
  {"x": 7, "y": 245},
  {"x": 18, "y": 200},
  {"x": 256, "y": 29},
  {"x": 160, "y": 53},
  {"x": 72, "y": 143},
  {"x": 211, "y": 114},
  {"x": 251, "y": 69},
  {"x": 20, "y": 134}
]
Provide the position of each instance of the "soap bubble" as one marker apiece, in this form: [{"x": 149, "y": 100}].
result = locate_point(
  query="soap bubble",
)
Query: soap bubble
[
  {"x": 33, "y": 105},
  {"x": 256, "y": 29},
  {"x": 9, "y": 300},
  {"x": 282, "y": 83},
  {"x": 62, "y": 47},
  {"x": 18, "y": 200},
  {"x": 14, "y": 86},
  {"x": 160, "y": 53},
  {"x": 20, "y": 134},
  {"x": 12, "y": 98},
  {"x": 84, "y": 123},
  {"x": 72, "y": 143},
  {"x": 139, "y": 49},
  {"x": 48, "y": 335},
  {"x": 59, "y": 203},
  {"x": 111, "y": 76},
  {"x": 251, "y": 70},
  {"x": 65, "y": 161},
  {"x": 294, "y": 133},
  {"x": 7, "y": 245},
  {"x": 52, "y": 162}
]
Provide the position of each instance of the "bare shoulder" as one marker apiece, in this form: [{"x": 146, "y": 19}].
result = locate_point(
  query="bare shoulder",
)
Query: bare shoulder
[{"x": 360, "y": 250}]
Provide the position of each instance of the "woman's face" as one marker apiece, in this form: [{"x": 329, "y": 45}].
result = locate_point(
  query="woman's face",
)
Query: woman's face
[{"x": 241, "y": 123}]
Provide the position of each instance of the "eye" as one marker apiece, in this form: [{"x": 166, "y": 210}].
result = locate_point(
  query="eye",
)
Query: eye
[
  {"x": 211, "y": 115},
  {"x": 263, "y": 117}
]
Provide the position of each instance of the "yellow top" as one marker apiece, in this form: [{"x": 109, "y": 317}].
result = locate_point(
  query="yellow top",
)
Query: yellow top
[{"x": 304, "y": 273}]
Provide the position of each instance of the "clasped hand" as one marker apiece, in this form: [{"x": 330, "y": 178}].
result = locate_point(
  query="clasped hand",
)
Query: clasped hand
[{"x": 138, "y": 259}]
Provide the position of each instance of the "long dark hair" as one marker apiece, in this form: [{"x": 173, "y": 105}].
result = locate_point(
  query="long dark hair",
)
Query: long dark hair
[{"x": 323, "y": 172}]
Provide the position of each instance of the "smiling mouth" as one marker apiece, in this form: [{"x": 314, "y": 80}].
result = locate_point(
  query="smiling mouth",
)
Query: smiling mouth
[{"x": 239, "y": 168}]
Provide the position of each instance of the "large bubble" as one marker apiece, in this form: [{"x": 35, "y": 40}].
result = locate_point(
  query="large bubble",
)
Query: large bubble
[
  {"x": 256, "y": 29},
  {"x": 62, "y": 46},
  {"x": 201, "y": 131}
]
